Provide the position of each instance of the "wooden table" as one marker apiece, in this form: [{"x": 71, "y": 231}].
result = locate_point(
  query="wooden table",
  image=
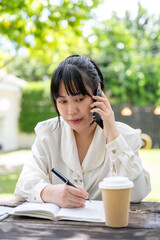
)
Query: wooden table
[{"x": 144, "y": 223}]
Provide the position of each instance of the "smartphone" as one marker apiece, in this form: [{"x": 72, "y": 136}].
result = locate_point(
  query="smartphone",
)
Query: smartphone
[{"x": 96, "y": 117}]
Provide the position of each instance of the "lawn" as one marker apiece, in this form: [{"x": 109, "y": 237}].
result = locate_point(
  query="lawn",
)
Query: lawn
[
  {"x": 150, "y": 161},
  {"x": 8, "y": 182}
]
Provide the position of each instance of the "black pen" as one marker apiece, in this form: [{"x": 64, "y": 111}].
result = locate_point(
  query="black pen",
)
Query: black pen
[{"x": 63, "y": 178}]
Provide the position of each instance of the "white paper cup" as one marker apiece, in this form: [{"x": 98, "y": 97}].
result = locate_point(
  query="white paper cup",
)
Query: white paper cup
[{"x": 116, "y": 193}]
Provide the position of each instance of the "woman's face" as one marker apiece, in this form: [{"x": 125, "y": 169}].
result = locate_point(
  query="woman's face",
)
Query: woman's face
[{"x": 75, "y": 110}]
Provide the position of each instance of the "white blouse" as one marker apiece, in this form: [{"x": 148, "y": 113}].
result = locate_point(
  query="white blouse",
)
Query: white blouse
[{"x": 55, "y": 146}]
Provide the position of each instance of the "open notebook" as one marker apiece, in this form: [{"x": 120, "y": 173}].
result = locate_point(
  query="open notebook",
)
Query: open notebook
[{"x": 92, "y": 212}]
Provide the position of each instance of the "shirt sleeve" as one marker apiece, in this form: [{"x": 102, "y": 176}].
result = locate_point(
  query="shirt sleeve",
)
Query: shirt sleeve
[
  {"x": 125, "y": 161},
  {"x": 34, "y": 176}
]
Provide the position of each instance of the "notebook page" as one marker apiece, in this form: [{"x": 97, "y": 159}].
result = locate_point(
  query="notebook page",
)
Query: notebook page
[
  {"x": 44, "y": 210},
  {"x": 4, "y": 212},
  {"x": 93, "y": 211}
]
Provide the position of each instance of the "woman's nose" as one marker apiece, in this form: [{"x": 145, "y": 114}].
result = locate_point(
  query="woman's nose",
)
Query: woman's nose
[{"x": 72, "y": 109}]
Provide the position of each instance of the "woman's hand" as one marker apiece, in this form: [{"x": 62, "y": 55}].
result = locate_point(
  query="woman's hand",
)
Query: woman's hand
[
  {"x": 107, "y": 115},
  {"x": 64, "y": 195}
]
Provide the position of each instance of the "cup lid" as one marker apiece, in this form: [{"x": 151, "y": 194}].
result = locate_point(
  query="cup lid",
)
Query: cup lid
[{"x": 116, "y": 183}]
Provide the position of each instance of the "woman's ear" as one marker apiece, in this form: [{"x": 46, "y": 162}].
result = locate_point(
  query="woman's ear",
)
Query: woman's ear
[{"x": 99, "y": 85}]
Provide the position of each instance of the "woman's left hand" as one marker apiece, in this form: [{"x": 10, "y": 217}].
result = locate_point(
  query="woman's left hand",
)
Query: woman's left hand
[{"x": 105, "y": 111}]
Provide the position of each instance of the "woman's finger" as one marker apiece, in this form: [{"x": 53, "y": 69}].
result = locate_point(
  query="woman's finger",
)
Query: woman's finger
[
  {"x": 102, "y": 99},
  {"x": 99, "y": 105},
  {"x": 79, "y": 193}
]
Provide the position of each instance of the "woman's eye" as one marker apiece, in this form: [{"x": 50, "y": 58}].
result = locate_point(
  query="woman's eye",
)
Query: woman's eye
[
  {"x": 80, "y": 99},
  {"x": 61, "y": 102}
]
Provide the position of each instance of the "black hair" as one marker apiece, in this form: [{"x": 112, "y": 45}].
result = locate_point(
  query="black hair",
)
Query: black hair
[{"x": 77, "y": 73}]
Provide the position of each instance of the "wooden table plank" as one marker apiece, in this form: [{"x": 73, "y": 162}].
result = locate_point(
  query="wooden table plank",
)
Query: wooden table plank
[
  {"x": 144, "y": 223},
  {"x": 145, "y": 207},
  {"x": 53, "y": 231},
  {"x": 136, "y": 220}
]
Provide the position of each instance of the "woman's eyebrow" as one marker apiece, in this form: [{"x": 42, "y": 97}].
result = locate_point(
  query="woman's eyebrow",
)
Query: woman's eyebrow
[
  {"x": 76, "y": 94},
  {"x": 61, "y": 96}
]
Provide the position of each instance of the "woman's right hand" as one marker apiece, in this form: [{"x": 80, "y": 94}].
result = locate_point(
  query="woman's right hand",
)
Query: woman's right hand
[{"x": 64, "y": 195}]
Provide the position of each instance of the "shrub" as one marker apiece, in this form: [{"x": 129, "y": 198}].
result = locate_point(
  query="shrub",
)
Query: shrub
[{"x": 36, "y": 105}]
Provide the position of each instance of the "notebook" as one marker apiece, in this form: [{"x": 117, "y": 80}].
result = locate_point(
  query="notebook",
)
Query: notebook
[
  {"x": 4, "y": 212},
  {"x": 92, "y": 212}
]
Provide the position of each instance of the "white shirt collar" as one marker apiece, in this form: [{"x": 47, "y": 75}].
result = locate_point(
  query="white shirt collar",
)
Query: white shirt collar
[{"x": 95, "y": 154}]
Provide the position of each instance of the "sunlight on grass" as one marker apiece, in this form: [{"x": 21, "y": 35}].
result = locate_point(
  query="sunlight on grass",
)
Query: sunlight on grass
[
  {"x": 13, "y": 152},
  {"x": 8, "y": 183},
  {"x": 151, "y": 162}
]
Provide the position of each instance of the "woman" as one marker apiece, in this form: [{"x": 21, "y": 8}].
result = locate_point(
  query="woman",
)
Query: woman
[{"x": 76, "y": 146}]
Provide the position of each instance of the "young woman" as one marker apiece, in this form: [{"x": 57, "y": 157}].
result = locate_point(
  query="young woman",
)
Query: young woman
[{"x": 75, "y": 145}]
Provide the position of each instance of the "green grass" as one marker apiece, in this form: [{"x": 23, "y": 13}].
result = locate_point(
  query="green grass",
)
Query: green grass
[
  {"x": 8, "y": 182},
  {"x": 150, "y": 161}
]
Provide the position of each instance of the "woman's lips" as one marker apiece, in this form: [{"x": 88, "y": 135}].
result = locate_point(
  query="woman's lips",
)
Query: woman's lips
[{"x": 75, "y": 121}]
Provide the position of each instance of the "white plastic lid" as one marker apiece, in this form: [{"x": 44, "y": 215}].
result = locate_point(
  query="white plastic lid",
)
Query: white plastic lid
[{"x": 116, "y": 183}]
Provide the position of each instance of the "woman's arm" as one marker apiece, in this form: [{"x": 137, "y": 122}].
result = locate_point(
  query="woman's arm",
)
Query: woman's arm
[
  {"x": 123, "y": 144},
  {"x": 125, "y": 161},
  {"x": 34, "y": 175},
  {"x": 64, "y": 195},
  {"x": 34, "y": 184}
]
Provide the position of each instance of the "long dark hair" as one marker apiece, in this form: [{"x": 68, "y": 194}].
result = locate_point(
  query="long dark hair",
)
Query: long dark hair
[{"x": 77, "y": 73}]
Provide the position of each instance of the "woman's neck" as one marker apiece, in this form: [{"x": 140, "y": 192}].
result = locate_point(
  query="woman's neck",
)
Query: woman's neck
[
  {"x": 83, "y": 141},
  {"x": 84, "y": 133}
]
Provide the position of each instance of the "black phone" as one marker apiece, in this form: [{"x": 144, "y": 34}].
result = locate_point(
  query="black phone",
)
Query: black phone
[{"x": 96, "y": 117}]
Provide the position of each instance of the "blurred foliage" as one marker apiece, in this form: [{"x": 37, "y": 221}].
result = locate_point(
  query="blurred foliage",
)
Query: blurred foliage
[
  {"x": 128, "y": 54},
  {"x": 29, "y": 69},
  {"x": 36, "y": 105},
  {"x": 127, "y": 50},
  {"x": 49, "y": 29}
]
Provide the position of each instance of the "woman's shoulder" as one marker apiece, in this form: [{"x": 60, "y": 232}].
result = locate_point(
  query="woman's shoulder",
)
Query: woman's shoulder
[
  {"x": 48, "y": 127},
  {"x": 131, "y": 135},
  {"x": 47, "y": 124}
]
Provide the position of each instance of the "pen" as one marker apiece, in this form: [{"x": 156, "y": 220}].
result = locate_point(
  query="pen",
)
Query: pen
[{"x": 63, "y": 178}]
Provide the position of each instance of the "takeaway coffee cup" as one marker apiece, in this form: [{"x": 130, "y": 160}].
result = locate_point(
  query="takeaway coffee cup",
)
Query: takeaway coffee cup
[{"x": 116, "y": 193}]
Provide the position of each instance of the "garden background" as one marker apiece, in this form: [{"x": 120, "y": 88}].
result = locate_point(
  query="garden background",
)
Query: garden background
[{"x": 36, "y": 35}]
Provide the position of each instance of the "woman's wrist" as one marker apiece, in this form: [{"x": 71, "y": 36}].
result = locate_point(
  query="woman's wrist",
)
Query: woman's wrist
[
  {"x": 45, "y": 193},
  {"x": 112, "y": 136}
]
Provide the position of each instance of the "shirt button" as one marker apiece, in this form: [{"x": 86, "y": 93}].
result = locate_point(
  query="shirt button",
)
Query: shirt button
[
  {"x": 114, "y": 151},
  {"x": 80, "y": 180},
  {"x": 75, "y": 180}
]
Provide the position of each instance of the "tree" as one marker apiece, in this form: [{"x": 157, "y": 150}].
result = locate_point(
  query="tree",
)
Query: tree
[
  {"x": 127, "y": 52},
  {"x": 48, "y": 29}
]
